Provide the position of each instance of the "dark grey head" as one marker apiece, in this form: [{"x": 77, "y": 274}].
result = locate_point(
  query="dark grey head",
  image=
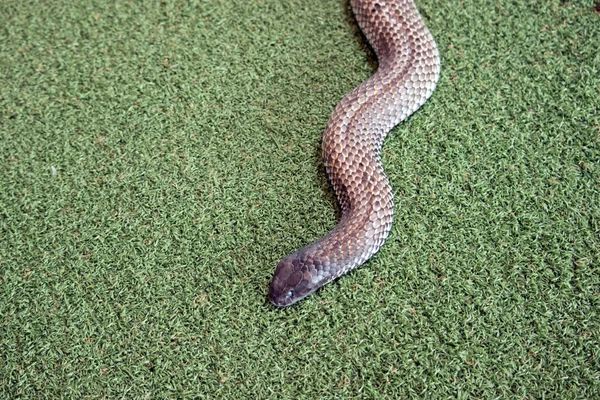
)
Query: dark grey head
[{"x": 293, "y": 280}]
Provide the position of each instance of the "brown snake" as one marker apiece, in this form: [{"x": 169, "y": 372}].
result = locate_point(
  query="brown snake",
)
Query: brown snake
[{"x": 408, "y": 71}]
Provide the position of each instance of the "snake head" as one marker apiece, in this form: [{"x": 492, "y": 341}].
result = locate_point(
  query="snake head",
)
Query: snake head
[{"x": 294, "y": 279}]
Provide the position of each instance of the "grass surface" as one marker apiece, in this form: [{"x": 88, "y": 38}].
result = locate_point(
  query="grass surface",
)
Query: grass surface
[{"x": 185, "y": 140}]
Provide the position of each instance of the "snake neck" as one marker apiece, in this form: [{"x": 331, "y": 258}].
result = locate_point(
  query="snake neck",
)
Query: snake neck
[{"x": 358, "y": 235}]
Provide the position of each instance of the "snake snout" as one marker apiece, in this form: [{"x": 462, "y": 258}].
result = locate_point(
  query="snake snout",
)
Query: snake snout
[{"x": 279, "y": 293}]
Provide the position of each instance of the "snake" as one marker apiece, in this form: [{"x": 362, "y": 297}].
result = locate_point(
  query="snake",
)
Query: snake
[{"x": 406, "y": 76}]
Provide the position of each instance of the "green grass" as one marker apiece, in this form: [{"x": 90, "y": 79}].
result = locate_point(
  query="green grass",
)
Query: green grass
[{"x": 186, "y": 143}]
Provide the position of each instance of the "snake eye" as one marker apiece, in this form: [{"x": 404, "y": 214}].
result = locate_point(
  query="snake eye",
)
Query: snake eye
[{"x": 289, "y": 294}]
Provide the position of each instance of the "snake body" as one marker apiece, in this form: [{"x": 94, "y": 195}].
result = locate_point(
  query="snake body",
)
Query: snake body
[{"x": 406, "y": 77}]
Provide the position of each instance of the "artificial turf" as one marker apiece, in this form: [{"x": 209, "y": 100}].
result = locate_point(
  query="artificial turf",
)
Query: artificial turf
[{"x": 158, "y": 158}]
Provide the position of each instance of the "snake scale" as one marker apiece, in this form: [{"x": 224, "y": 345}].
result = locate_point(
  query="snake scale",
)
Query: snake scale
[{"x": 407, "y": 74}]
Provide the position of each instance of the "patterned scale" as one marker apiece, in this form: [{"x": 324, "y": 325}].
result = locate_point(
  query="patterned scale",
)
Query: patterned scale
[{"x": 407, "y": 75}]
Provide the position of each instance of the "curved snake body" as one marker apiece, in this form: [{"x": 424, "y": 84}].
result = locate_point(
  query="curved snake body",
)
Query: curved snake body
[{"x": 408, "y": 72}]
